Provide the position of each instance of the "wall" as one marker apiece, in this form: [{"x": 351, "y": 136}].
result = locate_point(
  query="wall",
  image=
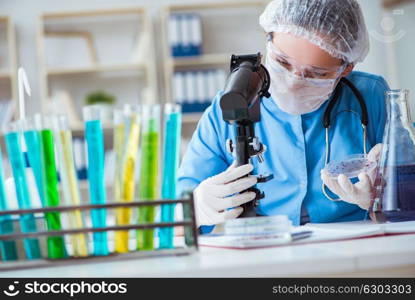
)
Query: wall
[
  {"x": 405, "y": 47},
  {"x": 392, "y": 44}
]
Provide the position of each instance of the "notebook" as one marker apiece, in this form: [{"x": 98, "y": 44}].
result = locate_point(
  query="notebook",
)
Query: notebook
[{"x": 319, "y": 233}]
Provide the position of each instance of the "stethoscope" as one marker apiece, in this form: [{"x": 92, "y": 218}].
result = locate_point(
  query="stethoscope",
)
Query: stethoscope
[{"x": 327, "y": 119}]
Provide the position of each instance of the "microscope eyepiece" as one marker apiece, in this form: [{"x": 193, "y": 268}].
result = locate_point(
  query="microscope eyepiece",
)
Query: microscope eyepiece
[{"x": 248, "y": 81}]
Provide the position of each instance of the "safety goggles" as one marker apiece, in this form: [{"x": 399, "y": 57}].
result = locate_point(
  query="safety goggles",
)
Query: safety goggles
[{"x": 303, "y": 70}]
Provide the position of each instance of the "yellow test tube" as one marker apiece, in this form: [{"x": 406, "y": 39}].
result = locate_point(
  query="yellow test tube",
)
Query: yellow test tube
[
  {"x": 119, "y": 140},
  {"x": 71, "y": 193},
  {"x": 126, "y": 177}
]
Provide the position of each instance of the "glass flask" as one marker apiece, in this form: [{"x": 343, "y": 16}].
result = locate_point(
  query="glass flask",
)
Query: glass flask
[{"x": 394, "y": 199}]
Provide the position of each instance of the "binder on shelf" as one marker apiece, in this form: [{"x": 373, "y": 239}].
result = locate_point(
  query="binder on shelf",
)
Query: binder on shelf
[
  {"x": 187, "y": 101},
  {"x": 220, "y": 79},
  {"x": 205, "y": 101},
  {"x": 195, "y": 34},
  {"x": 201, "y": 98},
  {"x": 184, "y": 21},
  {"x": 178, "y": 88},
  {"x": 194, "y": 90},
  {"x": 174, "y": 35},
  {"x": 211, "y": 84},
  {"x": 185, "y": 34}
]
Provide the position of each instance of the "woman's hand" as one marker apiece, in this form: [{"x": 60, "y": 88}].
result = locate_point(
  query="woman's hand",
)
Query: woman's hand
[
  {"x": 216, "y": 195},
  {"x": 360, "y": 193}
]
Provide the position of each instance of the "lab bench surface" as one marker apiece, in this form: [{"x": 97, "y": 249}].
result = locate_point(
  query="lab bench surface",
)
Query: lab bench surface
[{"x": 375, "y": 257}]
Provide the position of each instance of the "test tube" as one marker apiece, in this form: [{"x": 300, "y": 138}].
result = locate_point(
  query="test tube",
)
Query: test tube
[
  {"x": 131, "y": 115},
  {"x": 148, "y": 186},
  {"x": 13, "y": 139},
  {"x": 95, "y": 145},
  {"x": 171, "y": 151},
  {"x": 33, "y": 141},
  {"x": 7, "y": 248},
  {"x": 118, "y": 141},
  {"x": 70, "y": 187},
  {"x": 56, "y": 244}
]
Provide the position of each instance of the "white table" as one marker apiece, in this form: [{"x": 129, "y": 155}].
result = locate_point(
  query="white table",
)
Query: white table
[{"x": 376, "y": 256}]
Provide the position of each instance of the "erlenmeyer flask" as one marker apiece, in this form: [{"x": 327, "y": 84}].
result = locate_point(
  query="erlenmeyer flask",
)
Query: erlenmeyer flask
[{"x": 394, "y": 200}]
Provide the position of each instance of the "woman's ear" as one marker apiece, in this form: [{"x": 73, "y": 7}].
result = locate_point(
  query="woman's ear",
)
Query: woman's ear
[{"x": 347, "y": 71}]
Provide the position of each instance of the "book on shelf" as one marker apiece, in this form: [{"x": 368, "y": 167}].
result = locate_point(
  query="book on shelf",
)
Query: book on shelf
[
  {"x": 185, "y": 34},
  {"x": 195, "y": 89}
]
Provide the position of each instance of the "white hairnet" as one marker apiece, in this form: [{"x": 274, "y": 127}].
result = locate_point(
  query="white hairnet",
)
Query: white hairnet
[{"x": 336, "y": 26}]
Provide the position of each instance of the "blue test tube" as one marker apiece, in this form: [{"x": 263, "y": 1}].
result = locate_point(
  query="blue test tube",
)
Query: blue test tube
[
  {"x": 7, "y": 248},
  {"x": 171, "y": 149},
  {"x": 17, "y": 162},
  {"x": 95, "y": 145}
]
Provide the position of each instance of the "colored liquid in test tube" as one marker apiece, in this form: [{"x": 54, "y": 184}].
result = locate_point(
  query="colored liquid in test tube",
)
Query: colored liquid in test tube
[
  {"x": 119, "y": 140},
  {"x": 171, "y": 149},
  {"x": 7, "y": 248},
  {"x": 71, "y": 192},
  {"x": 35, "y": 153},
  {"x": 95, "y": 145},
  {"x": 127, "y": 176},
  {"x": 13, "y": 140},
  {"x": 148, "y": 186},
  {"x": 56, "y": 244}
]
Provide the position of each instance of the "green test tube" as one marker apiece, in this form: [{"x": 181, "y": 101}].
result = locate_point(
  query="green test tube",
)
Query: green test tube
[
  {"x": 70, "y": 186},
  {"x": 55, "y": 244},
  {"x": 148, "y": 185},
  {"x": 33, "y": 141}
]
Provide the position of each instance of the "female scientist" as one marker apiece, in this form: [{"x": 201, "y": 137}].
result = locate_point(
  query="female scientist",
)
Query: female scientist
[{"x": 311, "y": 46}]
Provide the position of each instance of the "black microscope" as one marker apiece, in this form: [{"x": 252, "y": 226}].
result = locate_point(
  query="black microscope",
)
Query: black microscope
[{"x": 247, "y": 82}]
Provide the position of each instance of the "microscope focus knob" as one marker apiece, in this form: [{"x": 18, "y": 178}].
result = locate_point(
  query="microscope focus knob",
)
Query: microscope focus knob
[{"x": 229, "y": 146}]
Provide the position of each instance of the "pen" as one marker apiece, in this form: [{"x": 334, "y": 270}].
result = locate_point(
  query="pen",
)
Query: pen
[{"x": 295, "y": 236}]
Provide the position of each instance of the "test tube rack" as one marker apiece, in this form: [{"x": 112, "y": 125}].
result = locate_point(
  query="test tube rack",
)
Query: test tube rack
[{"x": 188, "y": 223}]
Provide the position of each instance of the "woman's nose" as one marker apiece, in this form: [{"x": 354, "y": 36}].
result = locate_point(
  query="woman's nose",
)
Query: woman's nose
[{"x": 297, "y": 72}]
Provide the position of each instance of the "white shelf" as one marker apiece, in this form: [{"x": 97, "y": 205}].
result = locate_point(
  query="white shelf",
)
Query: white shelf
[
  {"x": 91, "y": 13},
  {"x": 191, "y": 117},
  {"x": 202, "y": 60},
  {"x": 80, "y": 127},
  {"x": 137, "y": 67},
  {"x": 187, "y": 118},
  {"x": 4, "y": 73},
  {"x": 95, "y": 68},
  {"x": 219, "y": 5},
  {"x": 8, "y": 57}
]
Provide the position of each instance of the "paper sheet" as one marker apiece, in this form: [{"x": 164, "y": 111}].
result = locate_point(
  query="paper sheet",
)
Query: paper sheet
[{"x": 321, "y": 233}]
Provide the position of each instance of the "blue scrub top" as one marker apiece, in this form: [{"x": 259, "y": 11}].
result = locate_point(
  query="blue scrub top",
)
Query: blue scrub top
[{"x": 295, "y": 151}]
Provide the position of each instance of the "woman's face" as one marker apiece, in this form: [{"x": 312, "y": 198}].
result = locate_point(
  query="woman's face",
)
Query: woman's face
[{"x": 304, "y": 55}]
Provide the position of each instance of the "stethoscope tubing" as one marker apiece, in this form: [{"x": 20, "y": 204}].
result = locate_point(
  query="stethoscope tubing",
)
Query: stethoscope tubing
[{"x": 327, "y": 121}]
